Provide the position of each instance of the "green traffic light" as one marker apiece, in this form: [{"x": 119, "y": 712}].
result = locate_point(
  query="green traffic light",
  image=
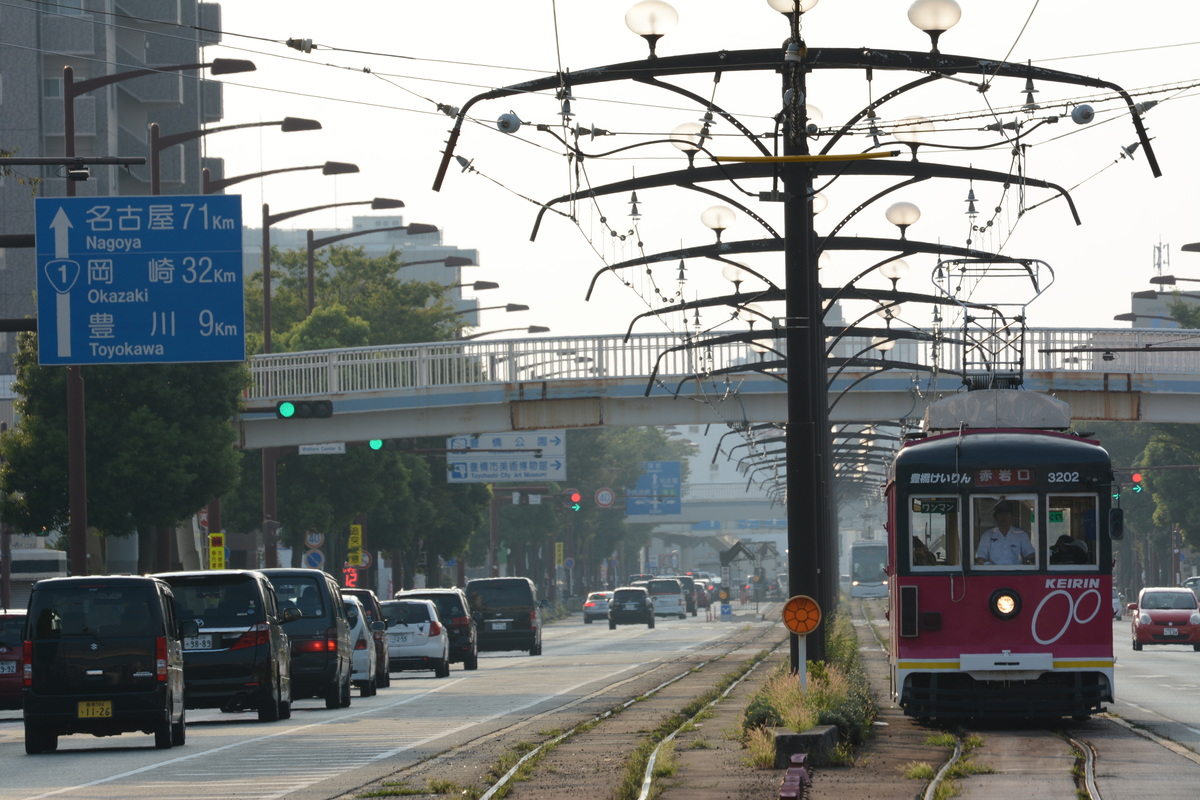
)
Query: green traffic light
[
  {"x": 375, "y": 444},
  {"x": 286, "y": 409}
]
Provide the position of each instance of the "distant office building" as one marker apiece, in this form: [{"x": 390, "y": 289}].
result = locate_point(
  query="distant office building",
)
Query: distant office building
[
  {"x": 423, "y": 254},
  {"x": 96, "y": 38}
]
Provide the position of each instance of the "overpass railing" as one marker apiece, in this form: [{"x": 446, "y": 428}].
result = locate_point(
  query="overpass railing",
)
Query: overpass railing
[{"x": 412, "y": 366}]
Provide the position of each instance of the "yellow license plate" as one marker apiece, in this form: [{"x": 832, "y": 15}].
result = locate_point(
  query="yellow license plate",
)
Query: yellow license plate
[{"x": 95, "y": 709}]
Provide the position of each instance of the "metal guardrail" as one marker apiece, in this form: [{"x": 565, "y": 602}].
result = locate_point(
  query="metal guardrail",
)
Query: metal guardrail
[{"x": 413, "y": 366}]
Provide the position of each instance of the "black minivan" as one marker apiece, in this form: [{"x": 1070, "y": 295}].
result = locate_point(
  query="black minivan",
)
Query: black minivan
[
  {"x": 321, "y": 646},
  {"x": 506, "y": 613},
  {"x": 240, "y": 658},
  {"x": 103, "y": 656}
]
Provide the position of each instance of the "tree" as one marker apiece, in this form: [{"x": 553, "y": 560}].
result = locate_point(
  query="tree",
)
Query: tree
[
  {"x": 159, "y": 444},
  {"x": 366, "y": 288},
  {"x": 358, "y": 301},
  {"x": 1187, "y": 315}
]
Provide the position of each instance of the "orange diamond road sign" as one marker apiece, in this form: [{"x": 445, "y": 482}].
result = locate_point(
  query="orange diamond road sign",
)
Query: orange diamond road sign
[{"x": 801, "y": 614}]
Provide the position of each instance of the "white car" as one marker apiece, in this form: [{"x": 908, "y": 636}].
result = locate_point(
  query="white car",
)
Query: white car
[
  {"x": 416, "y": 637},
  {"x": 362, "y": 658},
  {"x": 596, "y": 606}
]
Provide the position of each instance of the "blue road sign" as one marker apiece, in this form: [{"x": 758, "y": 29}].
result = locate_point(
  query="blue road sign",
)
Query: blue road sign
[
  {"x": 513, "y": 456},
  {"x": 140, "y": 280},
  {"x": 657, "y": 490},
  {"x": 313, "y": 559}
]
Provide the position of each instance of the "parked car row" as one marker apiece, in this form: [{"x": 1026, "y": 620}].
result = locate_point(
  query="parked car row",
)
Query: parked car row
[{"x": 107, "y": 654}]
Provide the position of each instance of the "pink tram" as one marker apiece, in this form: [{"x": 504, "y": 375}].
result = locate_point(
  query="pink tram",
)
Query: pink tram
[{"x": 1000, "y": 558}]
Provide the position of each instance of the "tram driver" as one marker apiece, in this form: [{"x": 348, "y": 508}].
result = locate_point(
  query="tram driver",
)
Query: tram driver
[{"x": 1004, "y": 544}]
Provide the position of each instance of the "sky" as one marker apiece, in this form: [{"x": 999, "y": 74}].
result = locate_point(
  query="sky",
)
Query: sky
[{"x": 380, "y": 68}]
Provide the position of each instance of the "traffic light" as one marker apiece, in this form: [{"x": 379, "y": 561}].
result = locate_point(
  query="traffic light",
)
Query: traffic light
[
  {"x": 1137, "y": 482},
  {"x": 304, "y": 409},
  {"x": 571, "y": 498},
  {"x": 391, "y": 444}
]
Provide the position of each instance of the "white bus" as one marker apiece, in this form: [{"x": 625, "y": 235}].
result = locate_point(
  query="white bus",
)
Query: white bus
[{"x": 867, "y": 562}]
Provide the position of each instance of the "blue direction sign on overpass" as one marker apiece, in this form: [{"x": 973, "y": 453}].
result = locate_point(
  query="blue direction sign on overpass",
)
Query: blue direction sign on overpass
[
  {"x": 657, "y": 490},
  {"x": 140, "y": 280},
  {"x": 506, "y": 457}
]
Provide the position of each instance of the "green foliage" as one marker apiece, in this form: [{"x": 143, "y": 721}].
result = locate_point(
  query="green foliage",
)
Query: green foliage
[
  {"x": 368, "y": 290},
  {"x": 159, "y": 442},
  {"x": 837, "y": 693},
  {"x": 1188, "y": 316}
]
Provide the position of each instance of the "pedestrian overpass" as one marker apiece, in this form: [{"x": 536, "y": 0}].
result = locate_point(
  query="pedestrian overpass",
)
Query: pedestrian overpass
[{"x": 457, "y": 387}]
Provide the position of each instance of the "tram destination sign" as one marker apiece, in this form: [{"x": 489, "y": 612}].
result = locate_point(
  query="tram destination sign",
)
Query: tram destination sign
[{"x": 140, "y": 280}]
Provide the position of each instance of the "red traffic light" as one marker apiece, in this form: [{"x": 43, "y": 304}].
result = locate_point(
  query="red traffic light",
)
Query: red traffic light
[{"x": 1137, "y": 477}]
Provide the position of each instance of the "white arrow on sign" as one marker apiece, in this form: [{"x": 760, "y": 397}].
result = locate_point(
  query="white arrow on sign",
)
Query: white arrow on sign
[{"x": 62, "y": 274}]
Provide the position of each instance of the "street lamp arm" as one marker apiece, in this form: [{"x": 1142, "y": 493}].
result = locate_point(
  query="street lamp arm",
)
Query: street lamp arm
[
  {"x": 692, "y": 178},
  {"x": 187, "y": 136},
  {"x": 530, "y": 329},
  {"x": 763, "y": 367},
  {"x": 736, "y": 300},
  {"x": 866, "y": 112},
  {"x": 727, "y": 338},
  {"x": 858, "y": 59},
  {"x": 414, "y": 228},
  {"x": 271, "y": 219},
  {"x": 211, "y": 186},
  {"x": 219, "y": 66}
]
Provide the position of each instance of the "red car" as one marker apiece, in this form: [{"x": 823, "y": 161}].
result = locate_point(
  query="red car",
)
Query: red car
[
  {"x": 1166, "y": 615},
  {"x": 12, "y": 648}
]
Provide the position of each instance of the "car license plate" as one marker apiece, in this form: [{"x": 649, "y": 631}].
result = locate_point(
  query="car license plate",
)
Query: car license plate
[
  {"x": 95, "y": 709},
  {"x": 1170, "y": 631},
  {"x": 398, "y": 638},
  {"x": 8, "y": 667},
  {"x": 499, "y": 626},
  {"x": 203, "y": 642},
  {"x": 631, "y": 606}
]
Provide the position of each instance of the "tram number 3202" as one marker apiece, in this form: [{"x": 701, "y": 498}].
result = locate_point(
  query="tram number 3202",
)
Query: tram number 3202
[{"x": 1063, "y": 477}]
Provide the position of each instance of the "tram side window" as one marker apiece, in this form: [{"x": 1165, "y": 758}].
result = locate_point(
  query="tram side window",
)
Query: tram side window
[
  {"x": 934, "y": 526},
  {"x": 1000, "y": 526},
  {"x": 1071, "y": 530}
]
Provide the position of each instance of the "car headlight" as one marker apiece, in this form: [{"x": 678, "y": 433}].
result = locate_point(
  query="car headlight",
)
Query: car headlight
[
  {"x": 1144, "y": 619},
  {"x": 1005, "y": 603},
  {"x": 1194, "y": 619}
]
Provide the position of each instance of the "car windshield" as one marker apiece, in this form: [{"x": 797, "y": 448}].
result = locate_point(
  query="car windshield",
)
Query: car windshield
[
  {"x": 500, "y": 594},
  {"x": 1168, "y": 600},
  {"x": 402, "y": 613},
  {"x": 11, "y": 631},
  {"x": 448, "y": 605},
  {"x": 94, "y": 610},
  {"x": 218, "y": 602},
  {"x": 301, "y": 593}
]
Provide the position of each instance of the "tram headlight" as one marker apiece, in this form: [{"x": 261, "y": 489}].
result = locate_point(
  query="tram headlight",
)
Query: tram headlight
[{"x": 1005, "y": 603}]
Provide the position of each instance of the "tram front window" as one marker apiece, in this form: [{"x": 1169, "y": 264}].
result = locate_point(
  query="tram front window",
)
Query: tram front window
[
  {"x": 934, "y": 526},
  {"x": 1071, "y": 530},
  {"x": 1001, "y": 526}
]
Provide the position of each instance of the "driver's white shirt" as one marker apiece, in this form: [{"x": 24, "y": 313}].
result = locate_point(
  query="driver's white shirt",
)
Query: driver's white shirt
[{"x": 997, "y": 547}]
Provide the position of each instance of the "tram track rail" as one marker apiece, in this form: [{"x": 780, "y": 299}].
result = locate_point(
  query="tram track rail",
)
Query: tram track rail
[{"x": 498, "y": 778}]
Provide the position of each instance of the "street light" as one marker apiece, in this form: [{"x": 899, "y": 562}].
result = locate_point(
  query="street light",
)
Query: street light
[
  {"x": 158, "y": 143},
  {"x": 477, "y": 286},
  {"x": 209, "y": 186},
  {"x": 1171, "y": 280},
  {"x": 530, "y": 329},
  {"x": 449, "y": 261},
  {"x": 509, "y": 307},
  {"x": 1134, "y": 317},
  {"x": 414, "y": 229},
  {"x": 269, "y": 219},
  {"x": 784, "y": 157},
  {"x": 76, "y": 427}
]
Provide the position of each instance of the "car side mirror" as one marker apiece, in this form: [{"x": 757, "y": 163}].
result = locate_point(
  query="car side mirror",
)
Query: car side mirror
[
  {"x": 188, "y": 628},
  {"x": 379, "y": 626},
  {"x": 1131, "y": 607},
  {"x": 289, "y": 614}
]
